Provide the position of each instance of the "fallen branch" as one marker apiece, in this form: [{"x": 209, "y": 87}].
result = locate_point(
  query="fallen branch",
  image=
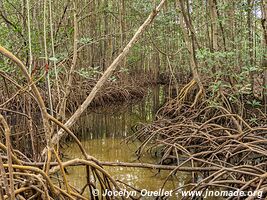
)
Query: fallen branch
[{"x": 161, "y": 167}]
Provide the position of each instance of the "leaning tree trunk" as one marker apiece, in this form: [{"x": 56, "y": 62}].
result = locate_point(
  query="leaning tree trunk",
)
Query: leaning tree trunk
[{"x": 108, "y": 72}]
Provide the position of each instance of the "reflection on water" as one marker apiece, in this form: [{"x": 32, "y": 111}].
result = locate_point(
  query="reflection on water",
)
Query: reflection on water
[
  {"x": 102, "y": 133},
  {"x": 116, "y": 121},
  {"x": 111, "y": 149}
]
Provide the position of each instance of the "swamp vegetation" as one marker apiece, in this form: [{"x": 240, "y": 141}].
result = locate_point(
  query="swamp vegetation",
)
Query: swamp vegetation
[{"x": 79, "y": 112}]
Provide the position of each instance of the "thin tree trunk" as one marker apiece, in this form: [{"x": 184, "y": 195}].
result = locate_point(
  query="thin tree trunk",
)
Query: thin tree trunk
[
  {"x": 38, "y": 97},
  {"x": 73, "y": 64},
  {"x": 190, "y": 40},
  {"x": 30, "y": 71},
  {"x": 46, "y": 61},
  {"x": 214, "y": 25},
  {"x": 122, "y": 22},
  {"x": 106, "y": 31},
  {"x": 53, "y": 47},
  {"x": 264, "y": 61},
  {"x": 9, "y": 156},
  {"x": 214, "y": 32},
  {"x": 250, "y": 42},
  {"x": 29, "y": 35}
]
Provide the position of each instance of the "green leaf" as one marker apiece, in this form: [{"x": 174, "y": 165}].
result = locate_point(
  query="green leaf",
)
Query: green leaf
[
  {"x": 254, "y": 103},
  {"x": 54, "y": 59},
  {"x": 85, "y": 40}
]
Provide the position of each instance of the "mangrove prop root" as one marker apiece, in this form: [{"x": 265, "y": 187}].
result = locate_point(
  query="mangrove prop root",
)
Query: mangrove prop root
[
  {"x": 35, "y": 186},
  {"x": 208, "y": 137},
  {"x": 11, "y": 180}
]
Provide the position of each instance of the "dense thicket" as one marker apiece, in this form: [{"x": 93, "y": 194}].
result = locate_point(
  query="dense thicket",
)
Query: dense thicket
[{"x": 65, "y": 53}]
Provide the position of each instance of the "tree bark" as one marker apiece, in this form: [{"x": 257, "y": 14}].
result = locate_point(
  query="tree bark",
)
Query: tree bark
[
  {"x": 73, "y": 65},
  {"x": 250, "y": 42},
  {"x": 7, "y": 133},
  {"x": 214, "y": 25},
  {"x": 191, "y": 43},
  {"x": 264, "y": 61}
]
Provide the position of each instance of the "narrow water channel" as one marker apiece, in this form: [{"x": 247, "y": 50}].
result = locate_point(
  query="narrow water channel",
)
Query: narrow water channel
[{"x": 102, "y": 133}]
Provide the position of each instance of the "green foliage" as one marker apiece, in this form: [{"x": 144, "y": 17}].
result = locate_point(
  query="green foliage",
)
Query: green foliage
[
  {"x": 53, "y": 59},
  {"x": 230, "y": 60},
  {"x": 204, "y": 54},
  {"x": 253, "y": 120},
  {"x": 124, "y": 70},
  {"x": 61, "y": 56},
  {"x": 85, "y": 40},
  {"x": 113, "y": 79},
  {"x": 88, "y": 72},
  {"x": 6, "y": 68},
  {"x": 254, "y": 103},
  {"x": 216, "y": 86},
  {"x": 250, "y": 68}
]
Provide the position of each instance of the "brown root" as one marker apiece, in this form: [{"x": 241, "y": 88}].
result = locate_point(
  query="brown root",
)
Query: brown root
[{"x": 207, "y": 137}]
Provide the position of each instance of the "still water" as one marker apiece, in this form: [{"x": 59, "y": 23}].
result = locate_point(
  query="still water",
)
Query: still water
[{"x": 102, "y": 133}]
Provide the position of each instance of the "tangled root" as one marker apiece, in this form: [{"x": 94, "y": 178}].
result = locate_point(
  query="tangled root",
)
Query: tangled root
[
  {"x": 110, "y": 94},
  {"x": 208, "y": 137}
]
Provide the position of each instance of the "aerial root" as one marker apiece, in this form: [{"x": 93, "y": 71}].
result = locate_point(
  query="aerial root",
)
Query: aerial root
[
  {"x": 207, "y": 137},
  {"x": 43, "y": 185},
  {"x": 40, "y": 183},
  {"x": 184, "y": 97},
  {"x": 184, "y": 91}
]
